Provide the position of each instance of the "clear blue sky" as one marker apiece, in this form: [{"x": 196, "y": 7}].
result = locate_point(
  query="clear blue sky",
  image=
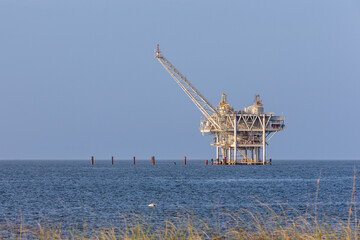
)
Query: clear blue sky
[{"x": 79, "y": 78}]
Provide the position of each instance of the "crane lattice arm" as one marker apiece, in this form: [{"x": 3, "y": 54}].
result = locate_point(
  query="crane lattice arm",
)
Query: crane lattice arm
[{"x": 203, "y": 105}]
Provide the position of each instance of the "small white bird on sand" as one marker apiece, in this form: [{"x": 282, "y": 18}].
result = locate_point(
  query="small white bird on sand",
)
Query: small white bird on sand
[{"x": 152, "y": 205}]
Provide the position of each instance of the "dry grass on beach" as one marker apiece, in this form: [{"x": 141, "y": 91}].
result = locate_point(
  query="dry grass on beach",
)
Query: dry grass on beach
[
  {"x": 243, "y": 225},
  {"x": 261, "y": 223}
]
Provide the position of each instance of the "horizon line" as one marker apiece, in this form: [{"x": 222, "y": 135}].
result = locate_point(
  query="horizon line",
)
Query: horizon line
[{"x": 159, "y": 159}]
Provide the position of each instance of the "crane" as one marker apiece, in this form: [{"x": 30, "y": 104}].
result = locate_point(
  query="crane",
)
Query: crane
[
  {"x": 204, "y": 106},
  {"x": 237, "y": 133}
]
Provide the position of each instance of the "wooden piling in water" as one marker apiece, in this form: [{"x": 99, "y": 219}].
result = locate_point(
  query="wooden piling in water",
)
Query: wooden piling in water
[
  {"x": 184, "y": 160},
  {"x": 134, "y": 160},
  {"x": 112, "y": 160},
  {"x": 153, "y": 160},
  {"x": 206, "y": 162},
  {"x": 92, "y": 160}
]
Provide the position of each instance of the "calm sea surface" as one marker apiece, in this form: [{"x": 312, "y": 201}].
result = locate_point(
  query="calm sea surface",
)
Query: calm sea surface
[{"x": 74, "y": 192}]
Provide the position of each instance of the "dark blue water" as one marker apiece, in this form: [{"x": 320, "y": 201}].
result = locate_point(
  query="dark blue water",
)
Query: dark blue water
[{"x": 72, "y": 192}]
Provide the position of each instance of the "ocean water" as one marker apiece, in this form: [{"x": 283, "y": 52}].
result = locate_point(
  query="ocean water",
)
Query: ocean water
[{"x": 74, "y": 192}]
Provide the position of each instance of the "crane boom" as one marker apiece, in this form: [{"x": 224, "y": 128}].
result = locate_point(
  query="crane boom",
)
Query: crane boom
[{"x": 203, "y": 105}]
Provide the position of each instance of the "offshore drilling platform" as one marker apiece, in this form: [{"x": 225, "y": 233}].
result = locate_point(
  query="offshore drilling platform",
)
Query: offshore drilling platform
[{"x": 240, "y": 136}]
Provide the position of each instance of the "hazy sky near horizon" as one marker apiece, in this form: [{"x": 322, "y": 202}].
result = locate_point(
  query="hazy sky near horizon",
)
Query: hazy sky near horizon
[{"x": 79, "y": 78}]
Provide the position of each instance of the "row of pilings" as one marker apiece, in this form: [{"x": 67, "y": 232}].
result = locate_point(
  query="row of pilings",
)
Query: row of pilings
[{"x": 152, "y": 161}]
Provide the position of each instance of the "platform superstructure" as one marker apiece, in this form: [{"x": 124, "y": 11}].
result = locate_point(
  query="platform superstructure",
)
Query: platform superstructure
[{"x": 240, "y": 137}]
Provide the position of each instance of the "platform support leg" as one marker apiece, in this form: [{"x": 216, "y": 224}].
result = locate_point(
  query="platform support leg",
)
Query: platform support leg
[
  {"x": 217, "y": 147},
  {"x": 263, "y": 138},
  {"x": 235, "y": 142}
]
